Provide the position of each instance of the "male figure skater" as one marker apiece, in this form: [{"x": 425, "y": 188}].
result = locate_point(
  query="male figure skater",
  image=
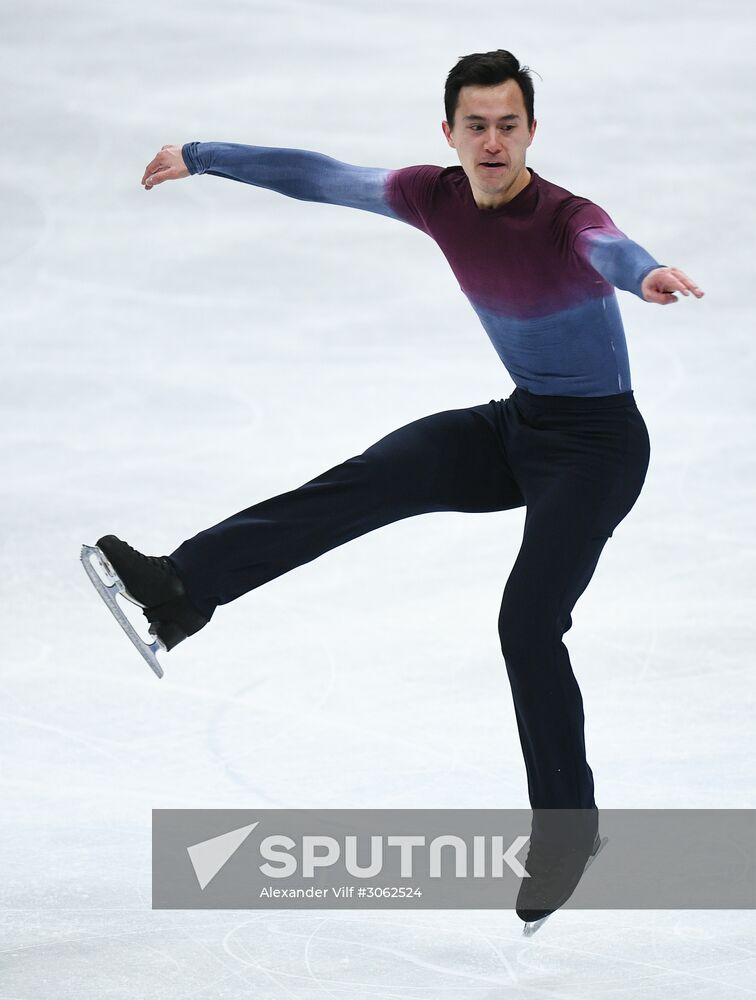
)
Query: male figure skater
[{"x": 539, "y": 266}]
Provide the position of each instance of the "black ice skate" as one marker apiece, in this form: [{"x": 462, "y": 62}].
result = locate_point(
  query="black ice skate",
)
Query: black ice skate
[
  {"x": 150, "y": 582},
  {"x": 554, "y": 875}
]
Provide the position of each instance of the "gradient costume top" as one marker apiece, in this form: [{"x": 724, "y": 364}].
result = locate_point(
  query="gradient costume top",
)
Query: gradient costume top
[{"x": 539, "y": 271}]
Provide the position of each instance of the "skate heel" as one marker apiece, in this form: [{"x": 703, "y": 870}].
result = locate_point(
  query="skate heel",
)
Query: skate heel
[
  {"x": 173, "y": 621},
  {"x": 168, "y": 634}
]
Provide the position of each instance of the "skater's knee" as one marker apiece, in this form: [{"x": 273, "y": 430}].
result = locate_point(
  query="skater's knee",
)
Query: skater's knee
[
  {"x": 513, "y": 633},
  {"x": 524, "y": 629}
]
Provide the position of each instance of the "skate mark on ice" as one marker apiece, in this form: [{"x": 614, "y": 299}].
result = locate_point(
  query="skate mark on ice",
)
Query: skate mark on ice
[
  {"x": 249, "y": 962},
  {"x": 96, "y": 744},
  {"x": 289, "y": 928}
]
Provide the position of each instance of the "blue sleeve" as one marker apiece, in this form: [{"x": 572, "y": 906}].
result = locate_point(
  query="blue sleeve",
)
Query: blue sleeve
[
  {"x": 608, "y": 251},
  {"x": 298, "y": 173}
]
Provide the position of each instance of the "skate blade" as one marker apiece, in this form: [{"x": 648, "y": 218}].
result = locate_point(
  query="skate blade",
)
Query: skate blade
[
  {"x": 602, "y": 844},
  {"x": 533, "y": 925},
  {"x": 108, "y": 585}
]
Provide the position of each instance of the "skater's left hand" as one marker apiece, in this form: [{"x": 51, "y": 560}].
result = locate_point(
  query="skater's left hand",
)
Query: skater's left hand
[{"x": 659, "y": 284}]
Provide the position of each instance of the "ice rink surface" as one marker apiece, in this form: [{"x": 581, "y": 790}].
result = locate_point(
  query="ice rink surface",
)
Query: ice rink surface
[{"x": 170, "y": 357}]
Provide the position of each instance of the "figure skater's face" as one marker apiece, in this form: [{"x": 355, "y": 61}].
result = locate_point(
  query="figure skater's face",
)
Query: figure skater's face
[{"x": 491, "y": 127}]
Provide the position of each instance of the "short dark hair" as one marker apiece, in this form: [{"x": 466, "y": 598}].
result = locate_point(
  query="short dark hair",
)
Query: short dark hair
[{"x": 486, "y": 69}]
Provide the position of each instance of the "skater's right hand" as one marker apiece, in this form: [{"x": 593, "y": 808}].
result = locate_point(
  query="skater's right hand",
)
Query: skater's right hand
[{"x": 168, "y": 165}]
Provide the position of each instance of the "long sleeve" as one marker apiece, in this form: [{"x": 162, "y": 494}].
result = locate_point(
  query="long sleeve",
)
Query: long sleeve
[
  {"x": 608, "y": 251},
  {"x": 297, "y": 173}
]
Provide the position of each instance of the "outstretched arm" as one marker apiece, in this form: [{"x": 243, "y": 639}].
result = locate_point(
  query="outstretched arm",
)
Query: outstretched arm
[
  {"x": 298, "y": 173},
  {"x": 619, "y": 260},
  {"x": 625, "y": 264}
]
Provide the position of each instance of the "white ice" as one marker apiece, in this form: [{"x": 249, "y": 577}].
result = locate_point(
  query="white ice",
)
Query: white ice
[{"x": 170, "y": 357}]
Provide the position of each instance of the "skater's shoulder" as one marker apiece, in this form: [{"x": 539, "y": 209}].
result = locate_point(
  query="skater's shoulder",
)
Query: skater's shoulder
[
  {"x": 565, "y": 208},
  {"x": 414, "y": 192},
  {"x": 415, "y": 179},
  {"x": 558, "y": 196},
  {"x": 432, "y": 177}
]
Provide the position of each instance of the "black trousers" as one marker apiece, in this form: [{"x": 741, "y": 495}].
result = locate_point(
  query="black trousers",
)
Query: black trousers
[{"x": 576, "y": 463}]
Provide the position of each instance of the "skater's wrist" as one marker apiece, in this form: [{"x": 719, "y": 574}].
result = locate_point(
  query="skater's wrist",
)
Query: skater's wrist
[{"x": 191, "y": 157}]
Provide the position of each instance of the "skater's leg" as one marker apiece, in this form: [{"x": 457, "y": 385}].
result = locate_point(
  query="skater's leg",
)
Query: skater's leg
[
  {"x": 581, "y": 465},
  {"x": 453, "y": 460},
  {"x": 553, "y": 568}
]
